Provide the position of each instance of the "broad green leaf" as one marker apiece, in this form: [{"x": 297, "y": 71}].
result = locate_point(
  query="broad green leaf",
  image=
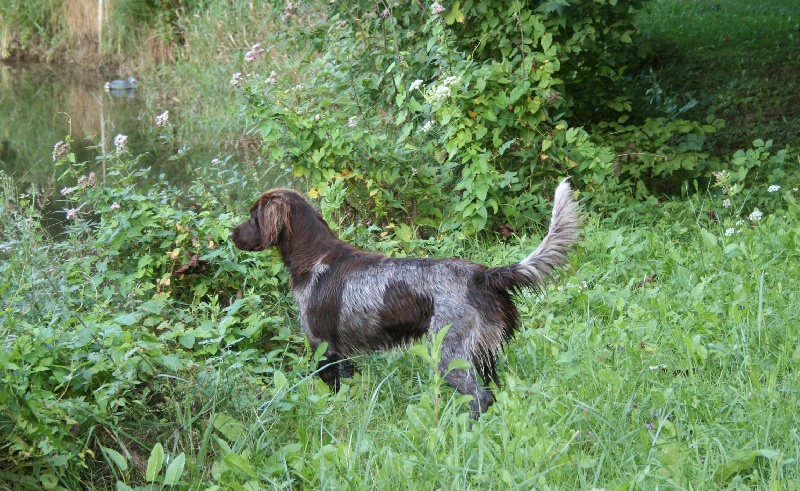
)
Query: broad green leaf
[
  {"x": 230, "y": 428},
  {"x": 118, "y": 458},
  {"x": 175, "y": 470},
  {"x": 126, "y": 319},
  {"x": 155, "y": 462},
  {"x": 239, "y": 463}
]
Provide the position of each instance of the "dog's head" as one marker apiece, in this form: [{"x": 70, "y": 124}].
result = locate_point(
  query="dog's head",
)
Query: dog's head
[{"x": 269, "y": 218}]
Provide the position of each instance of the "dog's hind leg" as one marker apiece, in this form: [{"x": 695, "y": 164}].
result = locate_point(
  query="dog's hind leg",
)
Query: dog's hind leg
[{"x": 465, "y": 380}]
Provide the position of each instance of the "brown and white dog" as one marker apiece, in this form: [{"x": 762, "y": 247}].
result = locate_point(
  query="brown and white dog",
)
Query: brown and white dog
[{"x": 358, "y": 301}]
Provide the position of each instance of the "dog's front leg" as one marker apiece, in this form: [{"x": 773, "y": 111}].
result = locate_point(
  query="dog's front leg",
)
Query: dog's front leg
[{"x": 328, "y": 370}]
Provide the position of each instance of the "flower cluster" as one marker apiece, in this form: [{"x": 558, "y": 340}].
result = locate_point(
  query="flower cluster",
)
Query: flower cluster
[
  {"x": 162, "y": 120},
  {"x": 236, "y": 80},
  {"x": 272, "y": 79},
  {"x": 88, "y": 182},
  {"x": 60, "y": 149},
  {"x": 415, "y": 85},
  {"x": 121, "y": 143},
  {"x": 72, "y": 213},
  {"x": 773, "y": 189},
  {"x": 428, "y": 126},
  {"x": 352, "y": 122},
  {"x": 256, "y": 53},
  {"x": 437, "y": 8}
]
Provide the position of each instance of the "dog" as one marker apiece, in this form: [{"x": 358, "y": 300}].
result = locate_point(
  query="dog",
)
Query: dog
[{"x": 360, "y": 302}]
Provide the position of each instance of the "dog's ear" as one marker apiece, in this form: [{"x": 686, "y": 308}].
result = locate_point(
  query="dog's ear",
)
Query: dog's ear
[{"x": 273, "y": 217}]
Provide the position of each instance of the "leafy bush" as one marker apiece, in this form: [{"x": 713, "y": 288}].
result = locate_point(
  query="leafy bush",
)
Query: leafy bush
[
  {"x": 445, "y": 115},
  {"x": 139, "y": 285}
]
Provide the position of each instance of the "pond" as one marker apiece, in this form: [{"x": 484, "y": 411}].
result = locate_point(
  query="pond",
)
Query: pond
[{"x": 42, "y": 104}]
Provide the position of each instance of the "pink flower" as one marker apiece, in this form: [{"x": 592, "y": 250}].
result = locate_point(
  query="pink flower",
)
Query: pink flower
[
  {"x": 255, "y": 53},
  {"x": 115, "y": 206},
  {"x": 236, "y": 80},
  {"x": 72, "y": 213},
  {"x": 60, "y": 149}
]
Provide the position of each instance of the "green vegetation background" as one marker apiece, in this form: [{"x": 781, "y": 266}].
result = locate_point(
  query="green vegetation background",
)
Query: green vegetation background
[{"x": 142, "y": 351}]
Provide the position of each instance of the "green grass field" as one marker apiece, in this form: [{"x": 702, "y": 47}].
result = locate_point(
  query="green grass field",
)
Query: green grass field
[{"x": 665, "y": 357}]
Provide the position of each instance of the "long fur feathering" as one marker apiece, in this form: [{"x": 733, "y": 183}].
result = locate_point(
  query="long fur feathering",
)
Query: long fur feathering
[{"x": 540, "y": 266}]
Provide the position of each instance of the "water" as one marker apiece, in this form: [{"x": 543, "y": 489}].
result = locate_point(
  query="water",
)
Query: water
[{"x": 41, "y": 104}]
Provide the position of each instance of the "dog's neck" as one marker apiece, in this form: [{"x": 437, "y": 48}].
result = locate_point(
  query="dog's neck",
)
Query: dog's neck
[{"x": 308, "y": 243}]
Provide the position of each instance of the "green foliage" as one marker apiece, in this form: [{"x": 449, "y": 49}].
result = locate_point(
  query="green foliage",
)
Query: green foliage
[
  {"x": 658, "y": 154},
  {"x": 645, "y": 367},
  {"x": 140, "y": 285},
  {"x": 450, "y": 117}
]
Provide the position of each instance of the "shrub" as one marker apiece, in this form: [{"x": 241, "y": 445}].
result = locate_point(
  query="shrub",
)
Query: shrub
[{"x": 445, "y": 115}]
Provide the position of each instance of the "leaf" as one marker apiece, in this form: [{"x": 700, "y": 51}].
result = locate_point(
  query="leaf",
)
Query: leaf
[
  {"x": 230, "y": 428},
  {"x": 403, "y": 232},
  {"x": 708, "y": 238},
  {"x": 459, "y": 364},
  {"x": 239, "y": 463},
  {"x": 155, "y": 462},
  {"x": 547, "y": 41},
  {"x": 118, "y": 459},
  {"x": 742, "y": 460},
  {"x": 175, "y": 470},
  {"x": 126, "y": 319},
  {"x": 280, "y": 380}
]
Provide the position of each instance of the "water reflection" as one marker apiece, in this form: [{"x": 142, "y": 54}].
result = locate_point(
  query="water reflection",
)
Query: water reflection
[{"x": 41, "y": 104}]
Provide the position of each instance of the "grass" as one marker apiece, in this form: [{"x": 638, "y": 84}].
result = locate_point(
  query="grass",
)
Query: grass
[
  {"x": 665, "y": 357},
  {"x": 734, "y": 60}
]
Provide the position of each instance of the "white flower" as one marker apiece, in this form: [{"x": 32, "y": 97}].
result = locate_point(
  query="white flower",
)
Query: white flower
[
  {"x": 756, "y": 215},
  {"x": 121, "y": 142},
  {"x": 115, "y": 206},
  {"x": 66, "y": 191},
  {"x": 437, "y": 8},
  {"x": 729, "y": 231},
  {"x": 726, "y": 203},
  {"x": 162, "y": 120},
  {"x": 451, "y": 80},
  {"x": 441, "y": 92},
  {"x": 236, "y": 80},
  {"x": 72, "y": 213},
  {"x": 352, "y": 122},
  {"x": 773, "y": 188},
  {"x": 272, "y": 79},
  {"x": 415, "y": 85},
  {"x": 428, "y": 126}
]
